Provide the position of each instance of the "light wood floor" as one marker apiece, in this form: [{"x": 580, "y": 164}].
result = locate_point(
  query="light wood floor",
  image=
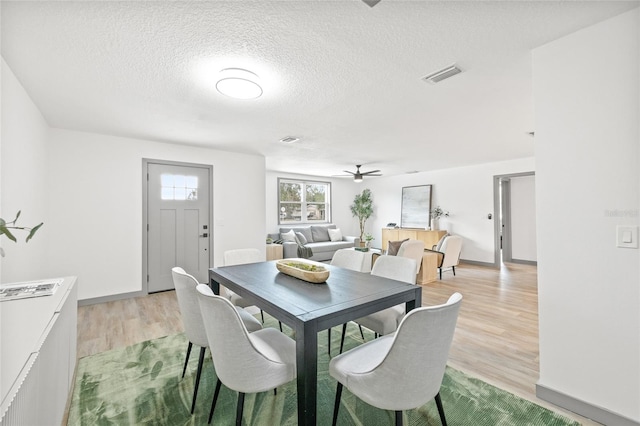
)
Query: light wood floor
[{"x": 496, "y": 338}]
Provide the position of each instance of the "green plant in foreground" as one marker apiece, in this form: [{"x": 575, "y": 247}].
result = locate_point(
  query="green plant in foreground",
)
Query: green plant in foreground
[{"x": 6, "y": 227}]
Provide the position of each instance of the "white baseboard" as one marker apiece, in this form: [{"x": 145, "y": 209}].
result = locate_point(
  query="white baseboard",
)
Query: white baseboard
[{"x": 599, "y": 414}]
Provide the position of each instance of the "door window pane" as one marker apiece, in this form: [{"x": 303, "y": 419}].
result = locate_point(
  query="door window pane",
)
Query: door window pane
[{"x": 178, "y": 187}]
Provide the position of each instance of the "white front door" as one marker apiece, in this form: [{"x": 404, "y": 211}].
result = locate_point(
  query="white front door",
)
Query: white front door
[{"x": 178, "y": 228}]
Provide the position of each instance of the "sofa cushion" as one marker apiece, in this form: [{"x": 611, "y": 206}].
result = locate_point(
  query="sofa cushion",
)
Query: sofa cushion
[
  {"x": 335, "y": 234},
  {"x": 321, "y": 232},
  {"x": 328, "y": 246},
  {"x": 394, "y": 246}
]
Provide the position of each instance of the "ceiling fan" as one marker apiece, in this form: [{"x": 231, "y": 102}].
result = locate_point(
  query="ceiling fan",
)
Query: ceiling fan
[
  {"x": 358, "y": 175},
  {"x": 371, "y": 3}
]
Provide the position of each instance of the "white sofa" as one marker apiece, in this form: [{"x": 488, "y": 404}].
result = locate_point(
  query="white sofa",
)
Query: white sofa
[{"x": 318, "y": 240}]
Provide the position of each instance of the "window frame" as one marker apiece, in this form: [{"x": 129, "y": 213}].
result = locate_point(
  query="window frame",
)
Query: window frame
[{"x": 303, "y": 183}]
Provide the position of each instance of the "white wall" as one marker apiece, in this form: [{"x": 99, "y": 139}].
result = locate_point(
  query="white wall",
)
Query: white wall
[
  {"x": 587, "y": 94},
  {"x": 466, "y": 192},
  {"x": 23, "y": 150},
  {"x": 342, "y": 194},
  {"x": 523, "y": 218},
  {"x": 95, "y": 196}
]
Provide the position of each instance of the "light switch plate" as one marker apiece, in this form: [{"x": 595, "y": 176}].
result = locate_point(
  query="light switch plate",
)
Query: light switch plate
[{"x": 627, "y": 236}]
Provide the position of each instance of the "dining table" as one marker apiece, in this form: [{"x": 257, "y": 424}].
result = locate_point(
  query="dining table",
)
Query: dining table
[{"x": 309, "y": 308}]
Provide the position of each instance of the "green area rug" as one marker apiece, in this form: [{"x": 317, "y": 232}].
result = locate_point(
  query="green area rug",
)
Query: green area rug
[{"x": 141, "y": 384}]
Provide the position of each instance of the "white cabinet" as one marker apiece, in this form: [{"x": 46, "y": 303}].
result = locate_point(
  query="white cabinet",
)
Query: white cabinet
[{"x": 38, "y": 356}]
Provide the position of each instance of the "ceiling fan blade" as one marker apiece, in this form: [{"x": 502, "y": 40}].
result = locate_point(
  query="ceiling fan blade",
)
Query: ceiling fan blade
[
  {"x": 347, "y": 171},
  {"x": 371, "y": 3},
  {"x": 371, "y": 172}
]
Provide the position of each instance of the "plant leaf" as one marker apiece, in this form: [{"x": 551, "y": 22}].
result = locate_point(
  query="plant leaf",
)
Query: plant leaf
[
  {"x": 17, "y": 216},
  {"x": 4, "y": 230},
  {"x": 33, "y": 231}
]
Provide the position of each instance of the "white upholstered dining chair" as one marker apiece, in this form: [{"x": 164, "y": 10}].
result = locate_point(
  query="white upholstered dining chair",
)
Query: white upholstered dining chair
[
  {"x": 348, "y": 259},
  {"x": 413, "y": 249},
  {"x": 386, "y": 321},
  {"x": 241, "y": 257},
  {"x": 186, "y": 294},
  {"x": 402, "y": 371},
  {"x": 245, "y": 363}
]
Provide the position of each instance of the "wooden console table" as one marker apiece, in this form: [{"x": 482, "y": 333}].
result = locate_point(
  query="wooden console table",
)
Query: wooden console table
[{"x": 430, "y": 238}]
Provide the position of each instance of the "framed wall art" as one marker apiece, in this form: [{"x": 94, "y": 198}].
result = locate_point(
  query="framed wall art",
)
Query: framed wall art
[{"x": 416, "y": 205}]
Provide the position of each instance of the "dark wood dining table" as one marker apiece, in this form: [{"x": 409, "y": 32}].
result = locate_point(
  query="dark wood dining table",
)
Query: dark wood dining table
[{"x": 309, "y": 308}]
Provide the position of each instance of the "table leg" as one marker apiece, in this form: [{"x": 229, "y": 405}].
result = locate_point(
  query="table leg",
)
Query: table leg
[
  {"x": 214, "y": 285},
  {"x": 415, "y": 303},
  {"x": 307, "y": 372}
]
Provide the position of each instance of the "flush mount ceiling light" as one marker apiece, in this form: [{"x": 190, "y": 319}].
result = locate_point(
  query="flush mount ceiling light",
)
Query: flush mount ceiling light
[{"x": 238, "y": 83}]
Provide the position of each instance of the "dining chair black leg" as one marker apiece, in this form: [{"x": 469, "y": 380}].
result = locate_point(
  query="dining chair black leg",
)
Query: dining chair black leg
[
  {"x": 440, "y": 269},
  {"x": 215, "y": 398},
  {"x": 275, "y": 391},
  {"x": 186, "y": 360},
  {"x": 240, "y": 408},
  {"x": 280, "y": 324},
  {"x": 195, "y": 390},
  {"x": 454, "y": 270},
  {"x": 262, "y": 315},
  {"x": 329, "y": 341},
  {"x": 361, "y": 332},
  {"x": 440, "y": 409},
  {"x": 344, "y": 332},
  {"x": 398, "y": 418},
  {"x": 336, "y": 405}
]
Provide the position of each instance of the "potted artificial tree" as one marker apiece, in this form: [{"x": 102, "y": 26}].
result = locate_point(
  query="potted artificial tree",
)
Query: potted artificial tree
[{"x": 362, "y": 208}]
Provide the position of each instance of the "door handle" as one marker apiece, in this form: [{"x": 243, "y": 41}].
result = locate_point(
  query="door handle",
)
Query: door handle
[{"x": 205, "y": 235}]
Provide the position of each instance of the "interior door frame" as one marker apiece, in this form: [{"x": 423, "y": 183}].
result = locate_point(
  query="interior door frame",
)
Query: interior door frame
[
  {"x": 504, "y": 226},
  {"x": 145, "y": 216},
  {"x": 497, "y": 209}
]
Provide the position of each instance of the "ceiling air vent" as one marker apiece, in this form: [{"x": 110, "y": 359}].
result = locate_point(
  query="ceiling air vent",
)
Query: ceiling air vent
[
  {"x": 442, "y": 74},
  {"x": 289, "y": 139}
]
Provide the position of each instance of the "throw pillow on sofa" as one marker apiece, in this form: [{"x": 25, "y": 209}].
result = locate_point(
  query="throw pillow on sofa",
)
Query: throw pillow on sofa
[
  {"x": 301, "y": 238},
  {"x": 335, "y": 234},
  {"x": 288, "y": 236},
  {"x": 394, "y": 246}
]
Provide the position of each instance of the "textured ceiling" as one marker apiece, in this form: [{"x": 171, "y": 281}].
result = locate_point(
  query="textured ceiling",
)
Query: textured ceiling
[{"x": 342, "y": 76}]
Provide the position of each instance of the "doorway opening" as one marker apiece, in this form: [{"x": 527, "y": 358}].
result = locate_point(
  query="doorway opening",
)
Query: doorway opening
[{"x": 515, "y": 224}]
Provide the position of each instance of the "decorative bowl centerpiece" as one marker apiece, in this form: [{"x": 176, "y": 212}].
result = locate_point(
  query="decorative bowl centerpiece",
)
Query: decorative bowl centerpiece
[{"x": 306, "y": 270}]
